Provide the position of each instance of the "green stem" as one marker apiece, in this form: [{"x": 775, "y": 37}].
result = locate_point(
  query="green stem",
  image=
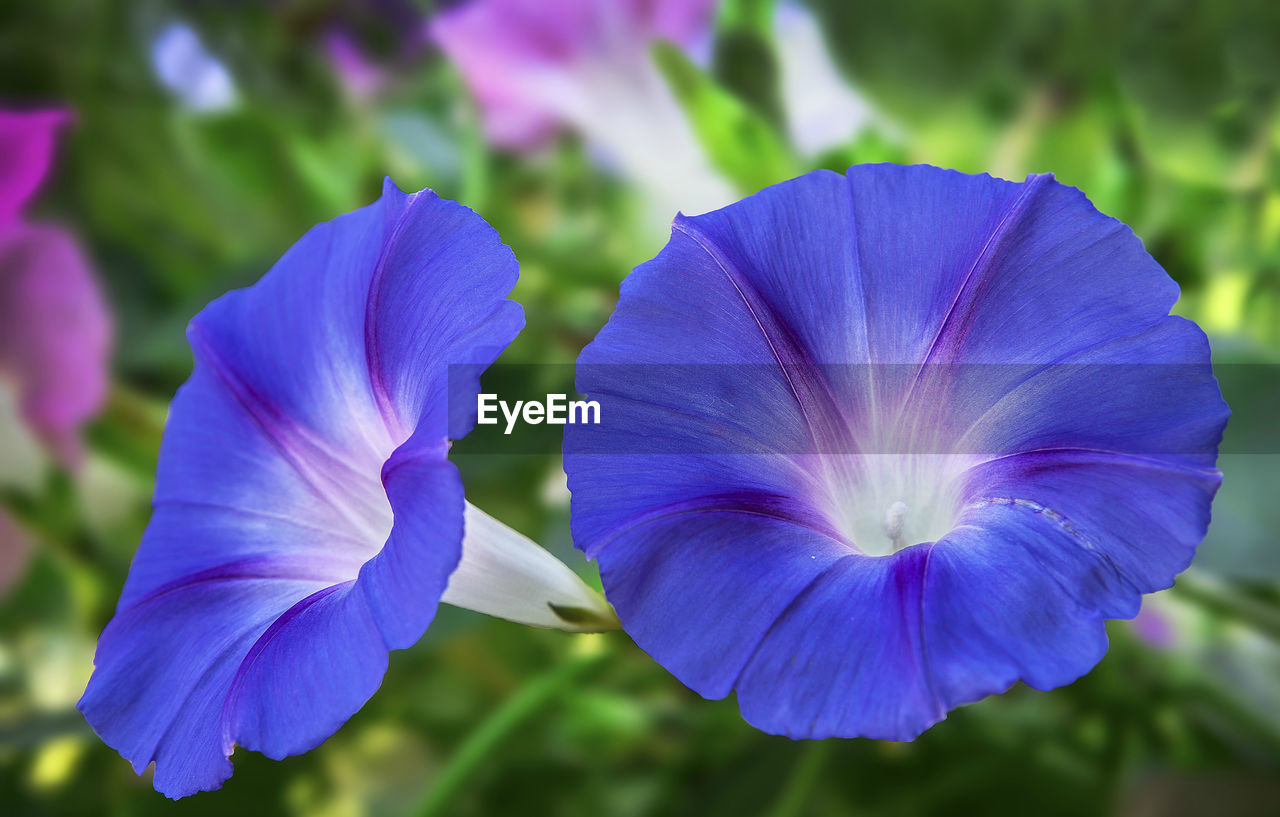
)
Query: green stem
[
  {"x": 508, "y": 717},
  {"x": 475, "y": 180},
  {"x": 804, "y": 775},
  {"x": 1219, "y": 597}
]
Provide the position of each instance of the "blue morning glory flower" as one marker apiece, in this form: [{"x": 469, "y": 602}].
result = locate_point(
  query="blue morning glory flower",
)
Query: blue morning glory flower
[
  {"x": 306, "y": 517},
  {"x": 878, "y": 445}
]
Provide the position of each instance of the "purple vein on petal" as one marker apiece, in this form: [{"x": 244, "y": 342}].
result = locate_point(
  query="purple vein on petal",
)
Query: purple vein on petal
[
  {"x": 812, "y": 394},
  {"x": 273, "y": 425},
  {"x": 373, "y": 358},
  {"x": 260, "y": 644},
  {"x": 751, "y": 503},
  {"x": 979, "y": 268}
]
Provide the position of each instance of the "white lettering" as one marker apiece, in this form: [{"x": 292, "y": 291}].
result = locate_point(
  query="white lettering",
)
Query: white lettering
[
  {"x": 484, "y": 405},
  {"x": 555, "y": 403},
  {"x": 584, "y": 408},
  {"x": 511, "y": 414},
  {"x": 557, "y": 409}
]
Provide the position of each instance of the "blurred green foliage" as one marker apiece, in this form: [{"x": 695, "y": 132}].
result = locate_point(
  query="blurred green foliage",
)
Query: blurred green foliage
[{"x": 1165, "y": 113}]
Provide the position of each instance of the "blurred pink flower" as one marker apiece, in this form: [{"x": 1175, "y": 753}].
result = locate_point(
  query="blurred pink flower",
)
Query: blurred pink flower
[
  {"x": 518, "y": 56},
  {"x": 55, "y": 333},
  {"x": 55, "y": 330},
  {"x": 535, "y": 66},
  {"x": 26, "y": 151},
  {"x": 1153, "y": 625},
  {"x": 359, "y": 77}
]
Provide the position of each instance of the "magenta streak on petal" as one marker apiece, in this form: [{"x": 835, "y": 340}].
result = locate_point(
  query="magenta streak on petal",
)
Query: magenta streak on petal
[
  {"x": 812, "y": 393},
  {"x": 377, "y": 377},
  {"x": 978, "y": 270},
  {"x": 904, "y": 596},
  {"x": 1127, "y": 457},
  {"x": 290, "y": 439},
  {"x": 261, "y": 568},
  {"x": 261, "y": 644},
  {"x": 982, "y": 263},
  {"x": 751, "y": 503}
]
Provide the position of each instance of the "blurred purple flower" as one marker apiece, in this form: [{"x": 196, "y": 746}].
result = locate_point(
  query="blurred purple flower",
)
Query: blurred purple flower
[
  {"x": 199, "y": 80},
  {"x": 1153, "y": 625},
  {"x": 536, "y": 66},
  {"x": 55, "y": 330},
  {"x": 359, "y": 77}
]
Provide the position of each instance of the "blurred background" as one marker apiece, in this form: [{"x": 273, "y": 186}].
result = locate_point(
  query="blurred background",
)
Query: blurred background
[{"x": 196, "y": 141}]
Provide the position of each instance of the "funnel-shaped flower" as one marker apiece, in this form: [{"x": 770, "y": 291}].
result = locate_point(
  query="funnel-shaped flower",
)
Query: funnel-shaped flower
[
  {"x": 306, "y": 517},
  {"x": 877, "y": 445}
]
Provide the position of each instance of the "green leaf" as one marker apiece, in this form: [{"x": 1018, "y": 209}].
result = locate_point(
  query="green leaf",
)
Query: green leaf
[{"x": 739, "y": 142}]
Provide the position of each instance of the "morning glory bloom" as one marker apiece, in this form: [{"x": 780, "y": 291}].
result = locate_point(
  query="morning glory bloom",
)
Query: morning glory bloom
[
  {"x": 878, "y": 445},
  {"x": 536, "y": 66},
  {"x": 306, "y": 516}
]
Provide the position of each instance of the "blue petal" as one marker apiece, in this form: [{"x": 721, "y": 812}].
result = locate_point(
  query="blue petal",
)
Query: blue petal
[
  {"x": 857, "y": 633},
  {"x": 306, "y": 518},
  {"x": 993, "y": 615},
  {"x": 963, "y": 268},
  {"x": 686, "y": 606},
  {"x": 1003, "y": 344},
  {"x": 166, "y": 662}
]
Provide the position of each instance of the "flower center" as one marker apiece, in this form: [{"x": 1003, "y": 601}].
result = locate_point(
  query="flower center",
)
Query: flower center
[{"x": 882, "y": 503}]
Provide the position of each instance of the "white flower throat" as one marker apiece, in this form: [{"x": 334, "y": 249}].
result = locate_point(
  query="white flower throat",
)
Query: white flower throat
[{"x": 882, "y": 503}]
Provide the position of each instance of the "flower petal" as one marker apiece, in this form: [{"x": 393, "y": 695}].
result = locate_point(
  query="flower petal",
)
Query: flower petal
[
  {"x": 165, "y": 664},
  {"x": 505, "y": 574},
  {"x": 993, "y": 615},
  {"x": 699, "y": 588},
  {"x": 866, "y": 669}
]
